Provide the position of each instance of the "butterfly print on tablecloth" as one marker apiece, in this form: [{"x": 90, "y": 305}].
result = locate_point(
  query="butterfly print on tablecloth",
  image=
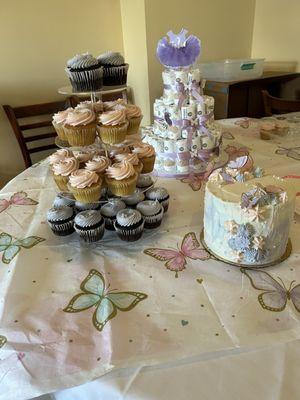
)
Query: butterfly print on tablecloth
[
  {"x": 227, "y": 135},
  {"x": 10, "y": 246},
  {"x": 176, "y": 260},
  {"x": 3, "y": 340},
  {"x": 94, "y": 293},
  {"x": 292, "y": 152},
  {"x": 17, "y": 199},
  {"x": 274, "y": 294},
  {"x": 243, "y": 123}
]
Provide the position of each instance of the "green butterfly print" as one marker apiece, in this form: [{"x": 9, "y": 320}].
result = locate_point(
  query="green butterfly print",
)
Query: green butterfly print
[
  {"x": 106, "y": 303},
  {"x": 3, "y": 340},
  {"x": 11, "y": 248}
]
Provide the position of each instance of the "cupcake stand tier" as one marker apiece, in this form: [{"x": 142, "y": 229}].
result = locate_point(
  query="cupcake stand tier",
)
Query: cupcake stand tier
[{"x": 123, "y": 89}]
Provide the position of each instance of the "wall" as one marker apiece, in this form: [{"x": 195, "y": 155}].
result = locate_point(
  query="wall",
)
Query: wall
[
  {"x": 276, "y": 30},
  {"x": 37, "y": 38},
  {"x": 224, "y": 27}
]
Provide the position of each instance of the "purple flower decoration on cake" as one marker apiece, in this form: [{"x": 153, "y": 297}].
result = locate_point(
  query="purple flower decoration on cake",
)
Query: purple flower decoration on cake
[{"x": 178, "y": 51}]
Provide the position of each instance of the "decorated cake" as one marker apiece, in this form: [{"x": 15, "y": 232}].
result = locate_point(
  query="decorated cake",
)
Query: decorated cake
[
  {"x": 248, "y": 222},
  {"x": 184, "y": 134}
]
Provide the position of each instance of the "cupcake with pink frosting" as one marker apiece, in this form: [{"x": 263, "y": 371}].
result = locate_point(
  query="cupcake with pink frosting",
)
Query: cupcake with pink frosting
[
  {"x": 58, "y": 121},
  {"x": 113, "y": 126},
  {"x": 80, "y": 127},
  {"x": 121, "y": 178},
  {"x": 85, "y": 185},
  {"x": 62, "y": 171},
  {"x": 98, "y": 164},
  {"x": 146, "y": 154},
  {"x": 131, "y": 158},
  {"x": 134, "y": 116},
  {"x": 60, "y": 155}
]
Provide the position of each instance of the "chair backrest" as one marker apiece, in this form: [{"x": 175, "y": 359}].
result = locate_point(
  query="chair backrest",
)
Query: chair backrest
[
  {"x": 275, "y": 105},
  {"x": 45, "y": 110}
]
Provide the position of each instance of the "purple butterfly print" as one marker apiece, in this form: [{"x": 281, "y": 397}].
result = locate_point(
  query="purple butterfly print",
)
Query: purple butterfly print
[
  {"x": 238, "y": 163},
  {"x": 17, "y": 199}
]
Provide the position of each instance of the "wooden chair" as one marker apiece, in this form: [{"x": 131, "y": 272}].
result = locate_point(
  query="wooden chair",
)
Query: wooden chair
[
  {"x": 275, "y": 105},
  {"x": 14, "y": 114}
]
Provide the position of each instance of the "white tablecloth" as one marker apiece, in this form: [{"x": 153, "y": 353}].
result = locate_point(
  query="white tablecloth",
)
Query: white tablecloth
[{"x": 201, "y": 335}]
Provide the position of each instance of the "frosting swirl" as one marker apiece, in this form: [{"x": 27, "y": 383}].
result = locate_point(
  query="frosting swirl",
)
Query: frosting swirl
[
  {"x": 115, "y": 117},
  {"x": 135, "y": 198},
  {"x": 157, "y": 193},
  {"x": 128, "y": 217},
  {"x": 120, "y": 171},
  {"x": 82, "y": 156},
  {"x": 110, "y": 105},
  {"x": 97, "y": 107},
  {"x": 111, "y": 208},
  {"x": 133, "y": 111},
  {"x": 83, "y": 178},
  {"x": 149, "y": 207},
  {"x": 64, "y": 199},
  {"x": 132, "y": 158},
  {"x": 114, "y": 150},
  {"x": 144, "y": 150},
  {"x": 61, "y": 116},
  {"x": 98, "y": 164},
  {"x": 65, "y": 167},
  {"x": 59, "y": 213},
  {"x": 59, "y": 155},
  {"x": 81, "y": 116},
  {"x": 82, "y": 61},
  {"x": 111, "y": 58},
  {"x": 88, "y": 218}
]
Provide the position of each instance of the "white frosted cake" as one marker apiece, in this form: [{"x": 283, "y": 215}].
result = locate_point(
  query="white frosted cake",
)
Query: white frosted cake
[
  {"x": 248, "y": 222},
  {"x": 184, "y": 134}
]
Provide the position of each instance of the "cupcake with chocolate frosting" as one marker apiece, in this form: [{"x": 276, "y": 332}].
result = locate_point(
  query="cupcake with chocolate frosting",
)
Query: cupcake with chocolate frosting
[
  {"x": 121, "y": 178},
  {"x": 85, "y": 73},
  {"x": 146, "y": 154},
  {"x": 129, "y": 225},
  {"x": 58, "y": 121},
  {"x": 114, "y": 68},
  {"x": 152, "y": 212},
  {"x": 62, "y": 171},
  {"x": 85, "y": 185},
  {"x": 110, "y": 210},
  {"x": 89, "y": 225},
  {"x": 113, "y": 126},
  {"x": 80, "y": 127}
]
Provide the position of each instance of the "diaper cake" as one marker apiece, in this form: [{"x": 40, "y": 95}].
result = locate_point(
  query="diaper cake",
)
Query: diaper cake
[
  {"x": 184, "y": 134},
  {"x": 247, "y": 216}
]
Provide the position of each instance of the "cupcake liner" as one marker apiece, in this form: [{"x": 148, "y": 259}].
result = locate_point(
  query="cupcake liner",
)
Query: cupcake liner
[
  {"x": 124, "y": 187},
  {"x": 109, "y": 223},
  {"x": 153, "y": 221},
  {"x": 82, "y": 135},
  {"x": 148, "y": 164},
  {"x": 113, "y": 134},
  {"x": 138, "y": 168},
  {"x": 133, "y": 125},
  {"x": 86, "y": 80},
  {"x": 88, "y": 194},
  {"x": 59, "y": 128},
  {"x": 165, "y": 204},
  {"x": 91, "y": 235},
  {"x": 61, "y": 182},
  {"x": 115, "y": 75},
  {"x": 62, "y": 229},
  {"x": 129, "y": 235}
]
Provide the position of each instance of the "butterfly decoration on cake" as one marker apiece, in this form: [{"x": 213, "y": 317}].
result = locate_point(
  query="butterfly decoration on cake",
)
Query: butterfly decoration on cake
[
  {"x": 176, "y": 260},
  {"x": 177, "y": 50},
  {"x": 274, "y": 294},
  {"x": 292, "y": 152},
  {"x": 195, "y": 181},
  {"x": 106, "y": 303},
  {"x": 10, "y": 246},
  {"x": 17, "y": 199}
]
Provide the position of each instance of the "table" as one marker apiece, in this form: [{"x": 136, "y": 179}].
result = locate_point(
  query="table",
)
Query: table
[{"x": 200, "y": 335}]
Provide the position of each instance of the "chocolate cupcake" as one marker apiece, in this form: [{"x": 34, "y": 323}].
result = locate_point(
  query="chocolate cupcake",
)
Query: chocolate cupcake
[
  {"x": 152, "y": 212},
  {"x": 110, "y": 210},
  {"x": 85, "y": 73},
  {"x": 114, "y": 68},
  {"x": 133, "y": 200},
  {"x": 144, "y": 181},
  {"x": 129, "y": 225},
  {"x": 61, "y": 220},
  {"x": 160, "y": 194},
  {"x": 86, "y": 206},
  {"x": 89, "y": 225},
  {"x": 64, "y": 199}
]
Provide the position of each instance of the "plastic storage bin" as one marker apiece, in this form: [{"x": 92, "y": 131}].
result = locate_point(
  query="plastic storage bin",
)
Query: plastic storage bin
[{"x": 232, "y": 70}]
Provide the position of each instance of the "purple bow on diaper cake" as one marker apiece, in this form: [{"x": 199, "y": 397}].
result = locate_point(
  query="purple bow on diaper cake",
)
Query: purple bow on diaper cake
[{"x": 179, "y": 51}]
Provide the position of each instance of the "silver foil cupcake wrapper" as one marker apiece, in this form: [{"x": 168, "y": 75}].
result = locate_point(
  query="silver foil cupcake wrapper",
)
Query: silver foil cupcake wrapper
[
  {"x": 92, "y": 235},
  {"x": 154, "y": 218},
  {"x": 61, "y": 227},
  {"x": 86, "y": 80},
  {"x": 129, "y": 232}
]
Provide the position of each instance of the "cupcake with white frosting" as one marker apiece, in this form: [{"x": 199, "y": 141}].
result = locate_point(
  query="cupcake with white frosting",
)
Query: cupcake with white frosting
[
  {"x": 152, "y": 212},
  {"x": 58, "y": 121},
  {"x": 60, "y": 155},
  {"x": 160, "y": 194},
  {"x": 129, "y": 225},
  {"x": 144, "y": 181},
  {"x": 113, "y": 126},
  {"x": 85, "y": 185},
  {"x": 89, "y": 225},
  {"x": 83, "y": 156},
  {"x": 64, "y": 199},
  {"x": 96, "y": 106},
  {"x": 134, "y": 199},
  {"x": 110, "y": 210},
  {"x": 146, "y": 154},
  {"x": 80, "y": 127},
  {"x": 85, "y": 73},
  {"x": 132, "y": 159},
  {"x": 121, "y": 178},
  {"x": 62, "y": 171},
  {"x": 114, "y": 68},
  {"x": 61, "y": 220}
]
